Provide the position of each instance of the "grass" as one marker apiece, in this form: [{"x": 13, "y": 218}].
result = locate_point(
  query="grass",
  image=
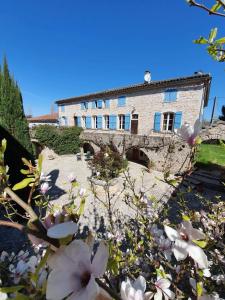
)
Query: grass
[{"x": 209, "y": 154}]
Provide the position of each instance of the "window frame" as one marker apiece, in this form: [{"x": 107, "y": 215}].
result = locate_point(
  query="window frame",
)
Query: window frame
[
  {"x": 121, "y": 121},
  {"x": 166, "y": 126},
  {"x": 106, "y": 122}
]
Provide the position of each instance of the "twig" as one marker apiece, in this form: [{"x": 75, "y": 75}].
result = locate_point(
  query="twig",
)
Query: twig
[
  {"x": 11, "y": 224},
  {"x": 202, "y": 6},
  {"x": 21, "y": 203}
]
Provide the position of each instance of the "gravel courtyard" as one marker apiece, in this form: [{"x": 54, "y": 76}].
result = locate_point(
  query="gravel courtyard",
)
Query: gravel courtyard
[{"x": 62, "y": 166}]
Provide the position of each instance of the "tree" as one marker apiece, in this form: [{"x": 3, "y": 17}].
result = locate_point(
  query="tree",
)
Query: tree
[
  {"x": 215, "y": 47},
  {"x": 222, "y": 117},
  {"x": 12, "y": 116}
]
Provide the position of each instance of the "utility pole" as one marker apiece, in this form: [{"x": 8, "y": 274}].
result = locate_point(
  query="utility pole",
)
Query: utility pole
[{"x": 213, "y": 109}]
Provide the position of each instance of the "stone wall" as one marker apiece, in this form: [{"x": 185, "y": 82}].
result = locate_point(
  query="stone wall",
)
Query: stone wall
[
  {"x": 145, "y": 104},
  {"x": 165, "y": 152},
  {"x": 216, "y": 131}
]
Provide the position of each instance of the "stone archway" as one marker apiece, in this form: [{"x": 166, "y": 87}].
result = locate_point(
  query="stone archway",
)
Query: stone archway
[
  {"x": 88, "y": 148},
  {"x": 137, "y": 155}
]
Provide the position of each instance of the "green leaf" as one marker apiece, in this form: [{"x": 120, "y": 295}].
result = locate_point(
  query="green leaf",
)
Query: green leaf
[
  {"x": 220, "y": 41},
  {"x": 215, "y": 7},
  {"x": 81, "y": 208},
  {"x": 201, "y": 40},
  {"x": 185, "y": 218},
  {"x": 40, "y": 160},
  {"x": 11, "y": 289},
  {"x": 22, "y": 184},
  {"x": 199, "y": 289},
  {"x": 201, "y": 244},
  {"x": 212, "y": 35},
  {"x": 25, "y": 172},
  {"x": 4, "y": 144}
]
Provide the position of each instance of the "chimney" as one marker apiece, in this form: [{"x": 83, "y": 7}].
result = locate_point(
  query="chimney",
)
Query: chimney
[{"x": 147, "y": 77}]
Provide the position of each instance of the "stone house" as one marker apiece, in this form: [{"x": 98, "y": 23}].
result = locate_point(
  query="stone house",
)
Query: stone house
[
  {"x": 50, "y": 119},
  {"x": 148, "y": 108}
]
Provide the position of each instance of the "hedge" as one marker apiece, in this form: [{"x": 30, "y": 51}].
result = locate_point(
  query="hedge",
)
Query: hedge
[{"x": 63, "y": 140}]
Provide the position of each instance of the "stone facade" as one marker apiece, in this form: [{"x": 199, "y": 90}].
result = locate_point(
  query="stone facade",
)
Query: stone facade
[{"x": 142, "y": 104}]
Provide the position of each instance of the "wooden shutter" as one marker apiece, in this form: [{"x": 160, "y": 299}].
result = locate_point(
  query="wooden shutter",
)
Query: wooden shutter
[
  {"x": 99, "y": 122},
  {"x": 112, "y": 122},
  {"x": 107, "y": 103},
  {"x": 99, "y": 103},
  {"x": 82, "y": 107},
  {"x": 177, "y": 120},
  {"x": 157, "y": 121},
  {"x": 127, "y": 122},
  {"x": 88, "y": 122},
  {"x": 122, "y": 101},
  {"x": 79, "y": 121},
  {"x": 93, "y": 104}
]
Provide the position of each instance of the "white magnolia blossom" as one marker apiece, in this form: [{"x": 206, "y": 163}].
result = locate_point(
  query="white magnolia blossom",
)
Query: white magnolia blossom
[
  {"x": 189, "y": 133},
  {"x": 62, "y": 230},
  {"x": 44, "y": 177},
  {"x": 73, "y": 272},
  {"x": 82, "y": 192},
  {"x": 134, "y": 290},
  {"x": 184, "y": 245},
  {"x": 71, "y": 177},
  {"x": 44, "y": 187}
]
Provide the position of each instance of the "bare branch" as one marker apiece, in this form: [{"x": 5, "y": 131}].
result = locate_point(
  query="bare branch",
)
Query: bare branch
[{"x": 202, "y": 6}]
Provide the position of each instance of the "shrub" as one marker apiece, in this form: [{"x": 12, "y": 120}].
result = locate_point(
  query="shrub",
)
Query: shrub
[
  {"x": 63, "y": 140},
  {"x": 108, "y": 163}
]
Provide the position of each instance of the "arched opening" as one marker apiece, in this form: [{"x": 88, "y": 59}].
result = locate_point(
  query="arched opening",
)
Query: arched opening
[
  {"x": 88, "y": 149},
  {"x": 138, "y": 156}
]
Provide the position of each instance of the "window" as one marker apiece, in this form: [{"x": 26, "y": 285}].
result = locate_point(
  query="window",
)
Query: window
[
  {"x": 121, "y": 122},
  {"x": 84, "y": 105},
  {"x": 84, "y": 125},
  {"x": 170, "y": 95},
  {"x": 106, "y": 120},
  {"x": 107, "y": 103},
  {"x": 168, "y": 121},
  {"x": 64, "y": 121},
  {"x": 75, "y": 121},
  {"x": 135, "y": 117},
  {"x": 62, "y": 108},
  {"x": 95, "y": 124},
  {"x": 122, "y": 101},
  {"x": 99, "y": 103}
]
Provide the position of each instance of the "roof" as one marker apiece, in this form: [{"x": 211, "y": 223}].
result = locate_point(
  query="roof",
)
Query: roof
[
  {"x": 50, "y": 118},
  {"x": 169, "y": 83}
]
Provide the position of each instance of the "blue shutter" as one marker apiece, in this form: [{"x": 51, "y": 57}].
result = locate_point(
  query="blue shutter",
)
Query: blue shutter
[
  {"x": 62, "y": 108},
  {"x": 66, "y": 121},
  {"x": 177, "y": 120},
  {"x": 170, "y": 95},
  {"x": 173, "y": 95},
  {"x": 88, "y": 122},
  {"x": 78, "y": 121},
  {"x": 157, "y": 121},
  {"x": 93, "y": 104},
  {"x": 122, "y": 101},
  {"x": 127, "y": 122},
  {"x": 99, "y": 122},
  {"x": 99, "y": 103},
  {"x": 167, "y": 96},
  {"x": 82, "y": 107},
  {"x": 112, "y": 122},
  {"x": 107, "y": 103},
  {"x": 86, "y": 105}
]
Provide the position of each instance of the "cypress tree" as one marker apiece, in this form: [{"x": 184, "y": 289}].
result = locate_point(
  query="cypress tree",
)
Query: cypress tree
[{"x": 12, "y": 116}]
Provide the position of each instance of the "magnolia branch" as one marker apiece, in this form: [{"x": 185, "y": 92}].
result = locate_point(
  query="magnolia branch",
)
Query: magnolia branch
[{"x": 202, "y": 6}]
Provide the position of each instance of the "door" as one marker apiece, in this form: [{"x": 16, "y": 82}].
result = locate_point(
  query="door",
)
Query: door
[{"x": 134, "y": 126}]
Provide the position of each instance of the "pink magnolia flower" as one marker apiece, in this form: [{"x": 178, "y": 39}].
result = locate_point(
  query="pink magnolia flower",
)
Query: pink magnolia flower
[
  {"x": 44, "y": 187},
  {"x": 62, "y": 230},
  {"x": 190, "y": 133},
  {"x": 184, "y": 245},
  {"x": 134, "y": 290},
  {"x": 73, "y": 272}
]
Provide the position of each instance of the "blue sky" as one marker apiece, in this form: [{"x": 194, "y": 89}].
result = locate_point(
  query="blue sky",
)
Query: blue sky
[{"x": 58, "y": 49}]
